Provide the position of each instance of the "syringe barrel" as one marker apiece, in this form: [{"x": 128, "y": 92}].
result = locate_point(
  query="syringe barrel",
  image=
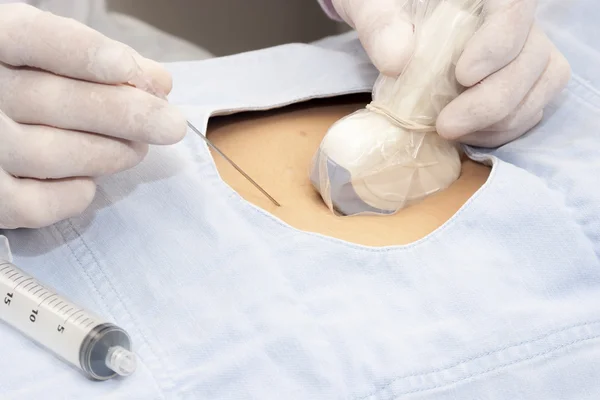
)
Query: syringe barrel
[{"x": 74, "y": 334}]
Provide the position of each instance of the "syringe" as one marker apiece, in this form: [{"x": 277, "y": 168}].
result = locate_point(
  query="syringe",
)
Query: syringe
[{"x": 99, "y": 348}]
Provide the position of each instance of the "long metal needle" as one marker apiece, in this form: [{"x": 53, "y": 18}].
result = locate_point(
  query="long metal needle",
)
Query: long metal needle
[{"x": 234, "y": 165}]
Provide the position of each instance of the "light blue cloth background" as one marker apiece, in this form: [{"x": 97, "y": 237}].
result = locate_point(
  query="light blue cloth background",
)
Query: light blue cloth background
[{"x": 224, "y": 301}]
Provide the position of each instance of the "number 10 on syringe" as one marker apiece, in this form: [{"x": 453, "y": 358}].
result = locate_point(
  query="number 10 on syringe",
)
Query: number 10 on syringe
[{"x": 99, "y": 348}]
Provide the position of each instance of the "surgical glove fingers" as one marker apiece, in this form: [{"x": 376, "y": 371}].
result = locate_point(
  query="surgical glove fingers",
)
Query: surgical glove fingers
[
  {"x": 385, "y": 31},
  {"x": 30, "y": 203},
  {"x": 40, "y": 98},
  {"x": 30, "y": 37},
  {"x": 498, "y": 41},
  {"x": 554, "y": 79},
  {"x": 499, "y": 95},
  {"x": 43, "y": 152},
  {"x": 153, "y": 78},
  {"x": 529, "y": 113},
  {"x": 495, "y": 138}
]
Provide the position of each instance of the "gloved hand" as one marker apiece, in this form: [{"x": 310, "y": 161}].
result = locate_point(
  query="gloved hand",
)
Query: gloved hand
[
  {"x": 511, "y": 69},
  {"x": 384, "y": 28},
  {"x": 69, "y": 112}
]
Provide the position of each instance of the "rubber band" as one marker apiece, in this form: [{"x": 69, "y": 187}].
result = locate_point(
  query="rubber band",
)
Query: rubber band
[{"x": 409, "y": 125}]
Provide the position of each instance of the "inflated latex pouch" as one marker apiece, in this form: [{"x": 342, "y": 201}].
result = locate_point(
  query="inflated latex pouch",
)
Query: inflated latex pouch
[{"x": 387, "y": 156}]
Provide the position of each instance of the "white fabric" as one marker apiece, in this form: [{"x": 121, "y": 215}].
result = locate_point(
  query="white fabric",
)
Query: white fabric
[{"x": 148, "y": 40}]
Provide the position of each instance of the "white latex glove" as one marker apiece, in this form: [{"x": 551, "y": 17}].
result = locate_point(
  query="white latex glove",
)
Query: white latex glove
[
  {"x": 510, "y": 67},
  {"x": 68, "y": 114},
  {"x": 384, "y": 29},
  {"x": 512, "y": 71}
]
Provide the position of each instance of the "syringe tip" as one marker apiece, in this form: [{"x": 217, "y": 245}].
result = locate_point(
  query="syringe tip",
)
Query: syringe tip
[{"x": 121, "y": 360}]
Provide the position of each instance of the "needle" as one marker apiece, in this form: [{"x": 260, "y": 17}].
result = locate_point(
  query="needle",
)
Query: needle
[{"x": 234, "y": 165}]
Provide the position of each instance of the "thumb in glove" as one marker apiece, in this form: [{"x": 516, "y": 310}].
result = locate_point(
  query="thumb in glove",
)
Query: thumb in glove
[{"x": 384, "y": 28}]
